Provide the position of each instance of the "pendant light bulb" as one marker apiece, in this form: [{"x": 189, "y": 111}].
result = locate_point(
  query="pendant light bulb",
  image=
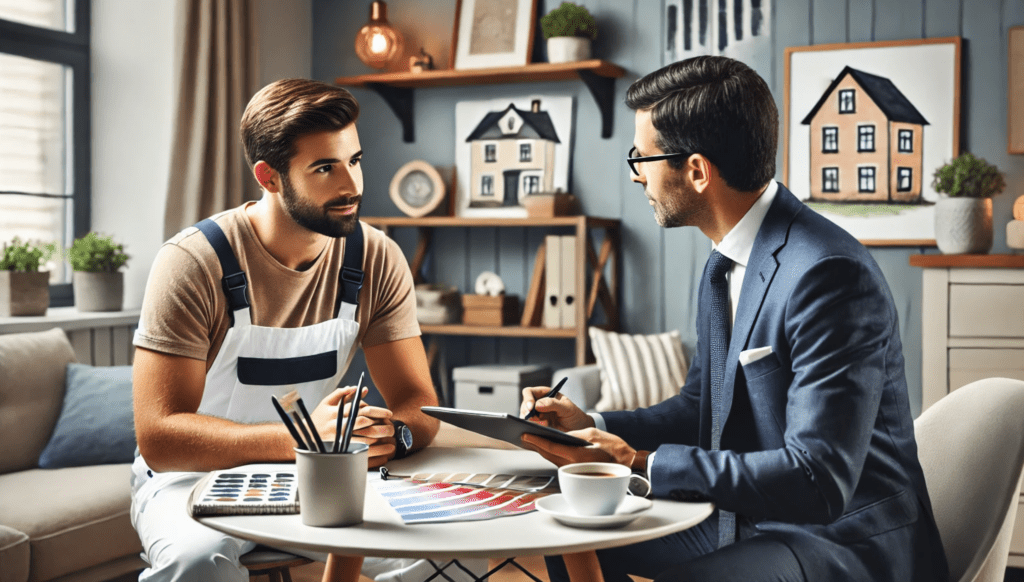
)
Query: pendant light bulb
[{"x": 378, "y": 43}]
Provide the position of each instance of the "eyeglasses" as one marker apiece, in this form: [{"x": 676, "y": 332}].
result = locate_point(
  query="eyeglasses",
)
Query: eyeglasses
[{"x": 632, "y": 159}]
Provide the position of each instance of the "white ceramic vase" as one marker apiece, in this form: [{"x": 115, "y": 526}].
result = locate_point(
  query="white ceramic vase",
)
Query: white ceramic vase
[
  {"x": 963, "y": 225},
  {"x": 98, "y": 291},
  {"x": 567, "y": 49}
]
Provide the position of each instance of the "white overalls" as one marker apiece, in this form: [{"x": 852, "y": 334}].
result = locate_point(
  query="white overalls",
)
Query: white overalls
[{"x": 254, "y": 363}]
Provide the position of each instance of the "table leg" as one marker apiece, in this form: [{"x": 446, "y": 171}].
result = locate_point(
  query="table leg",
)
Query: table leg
[
  {"x": 582, "y": 567},
  {"x": 342, "y": 568}
]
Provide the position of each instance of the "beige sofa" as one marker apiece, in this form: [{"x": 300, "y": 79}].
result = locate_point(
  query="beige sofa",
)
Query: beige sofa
[{"x": 71, "y": 524}]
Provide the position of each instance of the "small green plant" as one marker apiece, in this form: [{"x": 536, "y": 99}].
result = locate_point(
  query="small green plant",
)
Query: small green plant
[
  {"x": 96, "y": 254},
  {"x": 969, "y": 177},
  {"x": 569, "y": 20},
  {"x": 25, "y": 256}
]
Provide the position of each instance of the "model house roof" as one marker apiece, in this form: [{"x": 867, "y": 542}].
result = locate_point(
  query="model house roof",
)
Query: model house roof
[
  {"x": 536, "y": 124},
  {"x": 889, "y": 99}
]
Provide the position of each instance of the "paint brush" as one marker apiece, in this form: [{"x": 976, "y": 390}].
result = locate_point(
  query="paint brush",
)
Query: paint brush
[
  {"x": 288, "y": 402},
  {"x": 353, "y": 414},
  {"x": 288, "y": 423},
  {"x": 312, "y": 427},
  {"x": 337, "y": 430}
]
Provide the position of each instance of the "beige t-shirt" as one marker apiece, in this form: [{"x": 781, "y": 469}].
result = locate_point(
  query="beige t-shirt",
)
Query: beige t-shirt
[{"x": 185, "y": 310}]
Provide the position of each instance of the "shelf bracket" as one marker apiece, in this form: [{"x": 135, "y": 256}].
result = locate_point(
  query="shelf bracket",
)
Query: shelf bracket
[
  {"x": 400, "y": 100},
  {"x": 603, "y": 90}
]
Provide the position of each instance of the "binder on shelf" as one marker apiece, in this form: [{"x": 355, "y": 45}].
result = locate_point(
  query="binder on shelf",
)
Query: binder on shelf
[
  {"x": 534, "y": 307},
  {"x": 568, "y": 283},
  {"x": 552, "y": 281}
]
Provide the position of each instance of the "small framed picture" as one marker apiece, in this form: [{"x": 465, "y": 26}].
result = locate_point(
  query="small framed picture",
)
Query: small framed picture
[{"x": 493, "y": 33}]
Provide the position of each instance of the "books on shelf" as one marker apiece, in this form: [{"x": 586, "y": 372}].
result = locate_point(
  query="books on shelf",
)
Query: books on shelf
[
  {"x": 258, "y": 490},
  {"x": 560, "y": 281}
]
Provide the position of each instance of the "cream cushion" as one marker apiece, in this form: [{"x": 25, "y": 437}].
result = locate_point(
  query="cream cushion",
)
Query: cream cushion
[
  {"x": 637, "y": 370},
  {"x": 14, "y": 555}
]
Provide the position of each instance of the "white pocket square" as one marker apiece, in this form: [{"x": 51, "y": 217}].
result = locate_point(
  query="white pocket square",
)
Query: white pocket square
[{"x": 750, "y": 356}]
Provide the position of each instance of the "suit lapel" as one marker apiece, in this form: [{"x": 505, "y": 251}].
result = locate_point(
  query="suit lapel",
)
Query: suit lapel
[{"x": 760, "y": 271}]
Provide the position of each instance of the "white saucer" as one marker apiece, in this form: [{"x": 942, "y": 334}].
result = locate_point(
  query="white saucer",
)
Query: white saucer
[{"x": 557, "y": 507}]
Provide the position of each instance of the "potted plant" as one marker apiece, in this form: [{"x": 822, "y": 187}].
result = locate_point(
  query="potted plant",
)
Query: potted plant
[
  {"x": 569, "y": 30},
  {"x": 24, "y": 289},
  {"x": 97, "y": 280},
  {"x": 963, "y": 215}
]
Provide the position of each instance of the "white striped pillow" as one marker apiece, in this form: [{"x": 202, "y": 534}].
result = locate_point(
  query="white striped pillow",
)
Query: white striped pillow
[{"x": 637, "y": 370}]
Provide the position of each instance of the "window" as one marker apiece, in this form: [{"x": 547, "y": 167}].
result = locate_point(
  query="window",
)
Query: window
[
  {"x": 904, "y": 179},
  {"x": 906, "y": 141},
  {"x": 531, "y": 184},
  {"x": 44, "y": 125},
  {"x": 490, "y": 152},
  {"x": 487, "y": 185},
  {"x": 830, "y": 140},
  {"x": 830, "y": 179},
  {"x": 846, "y": 101},
  {"x": 866, "y": 179},
  {"x": 525, "y": 152},
  {"x": 865, "y": 138}
]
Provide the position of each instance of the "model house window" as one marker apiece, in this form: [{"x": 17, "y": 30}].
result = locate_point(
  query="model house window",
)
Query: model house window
[
  {"x": 531, "y": 184},
  {"x": 830, "y": 140},
  {"x": 906, "y": 141},
  {"x": 525, "y": 152},
  {"x": 846, "y": 101},
  {"x": 830, "y": 179},
  {"x": 904, "y": 179},
  {"x": 44, "y": 121},
  {"x": 490, "y": 152},
  {"x": 487, "y": 185},
  {"x": 865, "y": 138},
  {"x": 866, "y": 179}
]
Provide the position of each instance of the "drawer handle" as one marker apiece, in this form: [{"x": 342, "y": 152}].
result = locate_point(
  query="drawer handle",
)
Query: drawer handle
[{"x": 486, "y": 389}]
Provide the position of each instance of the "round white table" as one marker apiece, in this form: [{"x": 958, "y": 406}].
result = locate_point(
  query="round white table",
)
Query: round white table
[{"x": 383, "y": 533}]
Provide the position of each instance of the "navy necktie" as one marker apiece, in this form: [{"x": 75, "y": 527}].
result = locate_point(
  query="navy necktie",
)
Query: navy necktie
[{"x": 720, "y": 325}]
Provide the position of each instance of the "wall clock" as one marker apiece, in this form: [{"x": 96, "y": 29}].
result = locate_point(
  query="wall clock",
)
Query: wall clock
[{"x": 417, "y": 188}]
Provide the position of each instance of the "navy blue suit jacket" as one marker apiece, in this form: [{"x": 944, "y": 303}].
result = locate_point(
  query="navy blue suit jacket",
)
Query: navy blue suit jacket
[{"x": 818, "y": 438}]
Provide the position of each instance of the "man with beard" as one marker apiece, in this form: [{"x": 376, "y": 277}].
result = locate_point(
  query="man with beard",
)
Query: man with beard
[{"x": 260, "y": 300}]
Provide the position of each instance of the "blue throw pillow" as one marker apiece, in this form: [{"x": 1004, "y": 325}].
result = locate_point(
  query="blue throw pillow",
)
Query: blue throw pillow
[{"x": 96, "y": 426}]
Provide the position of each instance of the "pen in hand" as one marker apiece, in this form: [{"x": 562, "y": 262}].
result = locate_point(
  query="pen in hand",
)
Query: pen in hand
[{"x": 551, "y": 394}]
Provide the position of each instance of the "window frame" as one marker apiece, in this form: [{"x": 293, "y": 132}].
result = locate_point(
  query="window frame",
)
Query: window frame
[
  {"x": 826, "y": 180},
  {"x": 900, "y": 170},
  {"x": 826, "y": 131},
  {"x": 490, "y": 152},
  {"x": 852, "y": 104},
  {"x": 908, "y": 135},
  {"x": 866, "y": 133},
  {"x": 71, "y": 49},
  {"x": 867, "y": 173}
]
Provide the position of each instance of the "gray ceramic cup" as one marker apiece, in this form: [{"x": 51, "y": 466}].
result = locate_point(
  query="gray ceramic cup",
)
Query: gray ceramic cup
[{"x": 332, "y": 488}]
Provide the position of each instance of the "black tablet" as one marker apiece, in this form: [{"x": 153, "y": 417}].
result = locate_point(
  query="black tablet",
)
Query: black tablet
[{"x": 501, "y": 426}]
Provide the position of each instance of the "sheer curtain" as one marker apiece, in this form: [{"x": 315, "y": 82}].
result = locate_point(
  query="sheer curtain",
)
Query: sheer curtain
[{"x": 217, "y": 48}]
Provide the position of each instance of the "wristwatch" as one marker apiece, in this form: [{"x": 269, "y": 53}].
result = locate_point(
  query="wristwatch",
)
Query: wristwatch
[
  {"x": 639, "y": 483},
  {"x": 403, "y": 439}
]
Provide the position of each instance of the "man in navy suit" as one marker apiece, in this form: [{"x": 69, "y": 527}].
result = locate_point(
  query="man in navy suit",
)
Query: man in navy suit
[{"x": 794, "y": 419}]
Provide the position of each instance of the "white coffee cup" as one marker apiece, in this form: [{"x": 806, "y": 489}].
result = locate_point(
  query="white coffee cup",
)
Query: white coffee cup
[
  {"x": 332, "y": 487},
  {"x": 594, "y": 488}
]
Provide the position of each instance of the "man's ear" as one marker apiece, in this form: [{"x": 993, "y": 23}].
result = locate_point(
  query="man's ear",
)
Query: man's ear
[
  {"x": 267, "y": 177},
  {"x": 699, "y": 169}
]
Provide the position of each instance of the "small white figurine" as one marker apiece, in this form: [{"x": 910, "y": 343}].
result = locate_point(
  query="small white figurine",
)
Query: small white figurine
[{"x": 488, "y": 283}]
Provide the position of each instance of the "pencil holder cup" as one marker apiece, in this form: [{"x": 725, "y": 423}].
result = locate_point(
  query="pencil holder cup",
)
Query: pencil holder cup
[{"x": 332, "y": 487}]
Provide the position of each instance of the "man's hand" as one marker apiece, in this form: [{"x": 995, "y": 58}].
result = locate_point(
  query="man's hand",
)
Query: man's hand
[
  {"x": 604, "y": 448},
  {"x": 558, "y": 412},
  {"x": 373, "y": 425}
]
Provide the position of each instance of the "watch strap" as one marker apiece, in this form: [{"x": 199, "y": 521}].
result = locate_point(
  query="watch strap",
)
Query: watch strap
[{"x": 401, "y": 450}]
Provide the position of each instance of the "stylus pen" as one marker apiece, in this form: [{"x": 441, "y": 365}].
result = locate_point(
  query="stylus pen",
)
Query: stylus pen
[
  {"x": 551, "y": 394},
  {"x": 288, "y": 423},
  {"x": 337, "y": 429}
]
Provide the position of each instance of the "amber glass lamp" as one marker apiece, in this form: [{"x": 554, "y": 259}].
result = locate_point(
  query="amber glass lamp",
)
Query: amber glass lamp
[{"x": 377, "y": 42}]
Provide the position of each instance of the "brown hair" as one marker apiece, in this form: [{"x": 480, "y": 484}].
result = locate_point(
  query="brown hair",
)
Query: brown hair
[{"x": 285, "y": 110}]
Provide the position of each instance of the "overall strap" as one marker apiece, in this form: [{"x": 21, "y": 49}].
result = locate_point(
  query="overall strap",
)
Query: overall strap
[
  {"x": 234, "y": 281},
  {"x": 350, "y": 280}
]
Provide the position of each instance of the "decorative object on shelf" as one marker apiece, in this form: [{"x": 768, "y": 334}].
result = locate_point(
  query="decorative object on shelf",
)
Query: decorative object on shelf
[
  {"x": 98, "y": 282},
  {"x": 493, "y": 310},
  {"x": 378, "y": 43},
  {"x": 963, "y": 216},
  {"x": 496, "y": 387},
  {"x": 863, "y": 121},
  {"x": 24, "y": 289},
  {"x": 417, "y": 188},
  {"x": 550, "y": 205},
  {"x": 1015, "y": 228},
  {"x": 744, "y": 28},
  {"x": 493, "y": 33},
  {"x": 569, "y": 31},
  {"x": 488, "y": 283},
  {"x": 437, "y": 304},
  {"x": 507, "y": 149},
  {"x": 421, "y": 62},
  {"x": 1015, "y": 83}
]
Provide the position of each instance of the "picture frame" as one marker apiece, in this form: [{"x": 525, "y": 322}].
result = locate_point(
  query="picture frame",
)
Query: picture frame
[
  {"x": 913, "y": 89},
  {"x": 1015, "y": 85},
  {"x": 417, "y": 189},
  {"x": 493, "y": 33}
]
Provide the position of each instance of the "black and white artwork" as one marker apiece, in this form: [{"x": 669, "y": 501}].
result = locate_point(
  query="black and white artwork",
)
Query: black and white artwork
[{"x": 734, "y": 28}]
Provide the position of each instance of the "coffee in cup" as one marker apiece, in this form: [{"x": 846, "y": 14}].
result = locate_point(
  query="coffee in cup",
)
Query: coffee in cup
[{"x": 594, "y": 488}]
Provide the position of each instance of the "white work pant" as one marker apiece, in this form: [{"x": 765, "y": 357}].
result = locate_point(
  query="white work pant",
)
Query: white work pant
[{"x": 178, "y": 548}]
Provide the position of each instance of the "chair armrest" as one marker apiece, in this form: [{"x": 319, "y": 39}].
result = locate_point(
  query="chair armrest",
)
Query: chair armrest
[{"x": 583, "y": 386}]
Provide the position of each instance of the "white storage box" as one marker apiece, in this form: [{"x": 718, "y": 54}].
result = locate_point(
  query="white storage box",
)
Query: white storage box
[{"x": 496, "y": 388}]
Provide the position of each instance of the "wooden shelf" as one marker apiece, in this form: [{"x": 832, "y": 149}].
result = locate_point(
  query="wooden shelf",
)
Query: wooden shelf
[
  {"x": 384, "y": 222},
  {"x": 397, "y": 88},
  {"x": 968, "y": 261}
]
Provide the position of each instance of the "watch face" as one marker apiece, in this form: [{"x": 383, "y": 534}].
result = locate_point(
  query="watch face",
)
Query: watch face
[
  {"x": 406, "y": 435},
  {"x": 416, "y": 189}
]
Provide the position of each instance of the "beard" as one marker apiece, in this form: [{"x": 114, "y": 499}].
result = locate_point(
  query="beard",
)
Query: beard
[
  {"x": 317, "y": 218},
  {"x": 679, "y": 204}
]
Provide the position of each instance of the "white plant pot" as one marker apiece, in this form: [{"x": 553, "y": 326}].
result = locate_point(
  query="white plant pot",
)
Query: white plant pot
[
  {"x": 24, "y": 293},
  {"x": 568, "y": 49},
  {"x": 98, "y": 291},
  {"x": 963, "y": 225}
]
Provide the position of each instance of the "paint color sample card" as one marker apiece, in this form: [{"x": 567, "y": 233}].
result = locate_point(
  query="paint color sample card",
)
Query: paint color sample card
[{"x": 268, "y": 490}]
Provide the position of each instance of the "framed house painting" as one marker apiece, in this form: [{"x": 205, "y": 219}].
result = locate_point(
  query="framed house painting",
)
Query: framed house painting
[
  {"x": 493, "y": 33},
  {"x": 509, "y": 148},
  {"x": 866, "y": 126}
]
